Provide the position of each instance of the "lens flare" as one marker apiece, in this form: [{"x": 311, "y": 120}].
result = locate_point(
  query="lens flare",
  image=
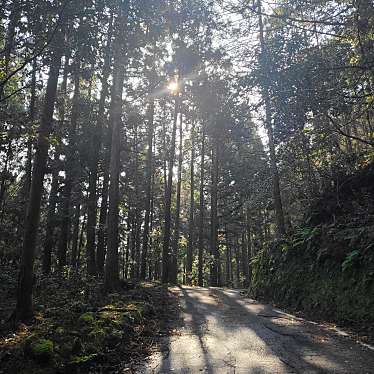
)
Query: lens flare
[{"x": 173, "y": 87}]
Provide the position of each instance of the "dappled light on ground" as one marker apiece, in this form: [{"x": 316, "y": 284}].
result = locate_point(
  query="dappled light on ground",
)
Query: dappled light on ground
[{"x": 222, "y": 332}]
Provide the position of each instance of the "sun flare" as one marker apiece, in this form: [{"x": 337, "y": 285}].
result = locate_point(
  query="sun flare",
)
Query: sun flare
[{"x": 173, "y": 87}]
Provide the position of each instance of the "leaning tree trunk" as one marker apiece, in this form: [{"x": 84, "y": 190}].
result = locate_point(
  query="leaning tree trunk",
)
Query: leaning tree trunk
[
  {"x": 24, "y": 308},
  {"x": 192, "y": 208},
  {"x": 111, "y": 276}
]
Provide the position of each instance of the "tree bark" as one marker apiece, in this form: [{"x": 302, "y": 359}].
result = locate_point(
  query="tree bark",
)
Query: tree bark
[
  {"x": 201, "y": 210},
  {"x": 51, "y": 217},
  {"x": 70, "y": 171},
  {"x": 24, "y": 307},
  {"x": 101, "y": 232},
  {"x": 52, "y": 202},
  {"x": 168, "y": 194},
  {"x": 214, "y": 269},
  {"x": 95, "y": 154},
  {"x": 32, "y": 110},
  {"x": 111, "y": 277},
  {"x": 277, "y": 198},
  {"x": 174, "y": 254},
  {"x": 244, "y": 262},
  {"x": 75, "y": 236},
  {"x": 192, "y": 209},
  {"x": 148, "y": 188}
]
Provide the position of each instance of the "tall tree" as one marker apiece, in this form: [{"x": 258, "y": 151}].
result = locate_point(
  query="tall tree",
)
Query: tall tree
[
  {"x": 119, "y": 58},
  {"x": 24, "y": 307}
]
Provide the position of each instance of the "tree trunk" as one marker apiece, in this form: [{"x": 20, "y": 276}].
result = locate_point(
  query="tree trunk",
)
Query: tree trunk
[
  {"x": 201, "y": 210},
  {"x": 9, "y": 39},
  {"x": 168, "y": 193},
  {"x": 101, "y": 232},
  {"x": 214, "y": 269},
  {"x": 51, "y": 217},
  {"x": 75, "y": 236},
  {"x": 95, "y": 154},
  {"x": 269, "y": 128},
  {"x": 70, "y": 177},
  {"x": 28, "y": 168},
  {"x": 80, "y": 245},
  {"x": 237, "y": 260},
  {"x": 192, "y": 209},
  {"x": 24, "y": 308},
  {"x": 148, "y": 189},
  {"x": 245, "y": 266},
  {"x": 228, "y": 260},
  {"x": 174, "y": 254},
  {"x": 111, "y": 264},
  {"x": 51, "y": 214}
]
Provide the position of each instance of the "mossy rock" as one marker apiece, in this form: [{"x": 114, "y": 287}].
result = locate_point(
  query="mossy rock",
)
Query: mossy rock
[{"x": 39, "y": 349}]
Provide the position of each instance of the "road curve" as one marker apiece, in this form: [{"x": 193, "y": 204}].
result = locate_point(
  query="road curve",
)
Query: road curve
[{"x": 223, "y": 332}]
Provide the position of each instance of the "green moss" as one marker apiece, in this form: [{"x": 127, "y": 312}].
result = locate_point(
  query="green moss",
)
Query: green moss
[
  {"x": 98, "y": 335},
  {"x": 87, "y": 318},
  {"x": 39, "y": 348},
  {"x": 84, "y": 359}
]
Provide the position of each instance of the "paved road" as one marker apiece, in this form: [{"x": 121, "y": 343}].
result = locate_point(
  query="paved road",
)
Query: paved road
[{"x": 223, "y": 332}]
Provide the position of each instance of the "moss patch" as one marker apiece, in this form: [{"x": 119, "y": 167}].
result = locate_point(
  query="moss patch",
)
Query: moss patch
[{"x": 38, "y": 348}]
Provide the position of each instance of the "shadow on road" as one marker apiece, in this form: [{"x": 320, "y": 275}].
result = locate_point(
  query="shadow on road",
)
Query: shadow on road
[{"x": 241, "y": 336}]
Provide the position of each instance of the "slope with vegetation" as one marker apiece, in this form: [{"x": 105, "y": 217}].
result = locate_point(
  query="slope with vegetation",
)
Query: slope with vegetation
[{"x": 326, "y": 266}]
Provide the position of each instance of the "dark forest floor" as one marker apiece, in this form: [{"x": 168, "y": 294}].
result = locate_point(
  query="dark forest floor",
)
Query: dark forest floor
[{"x": 79, "y": 329}]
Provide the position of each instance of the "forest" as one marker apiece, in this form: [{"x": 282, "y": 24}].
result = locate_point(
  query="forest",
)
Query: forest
[{"x": 199, "y": 143}]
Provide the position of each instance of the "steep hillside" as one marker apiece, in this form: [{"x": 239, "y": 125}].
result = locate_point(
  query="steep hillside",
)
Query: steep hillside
[{"x": 326, "y": 267}]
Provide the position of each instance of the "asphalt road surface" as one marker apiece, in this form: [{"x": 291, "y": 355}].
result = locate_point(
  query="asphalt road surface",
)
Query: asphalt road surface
[{"x": 223, "y": 332}]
